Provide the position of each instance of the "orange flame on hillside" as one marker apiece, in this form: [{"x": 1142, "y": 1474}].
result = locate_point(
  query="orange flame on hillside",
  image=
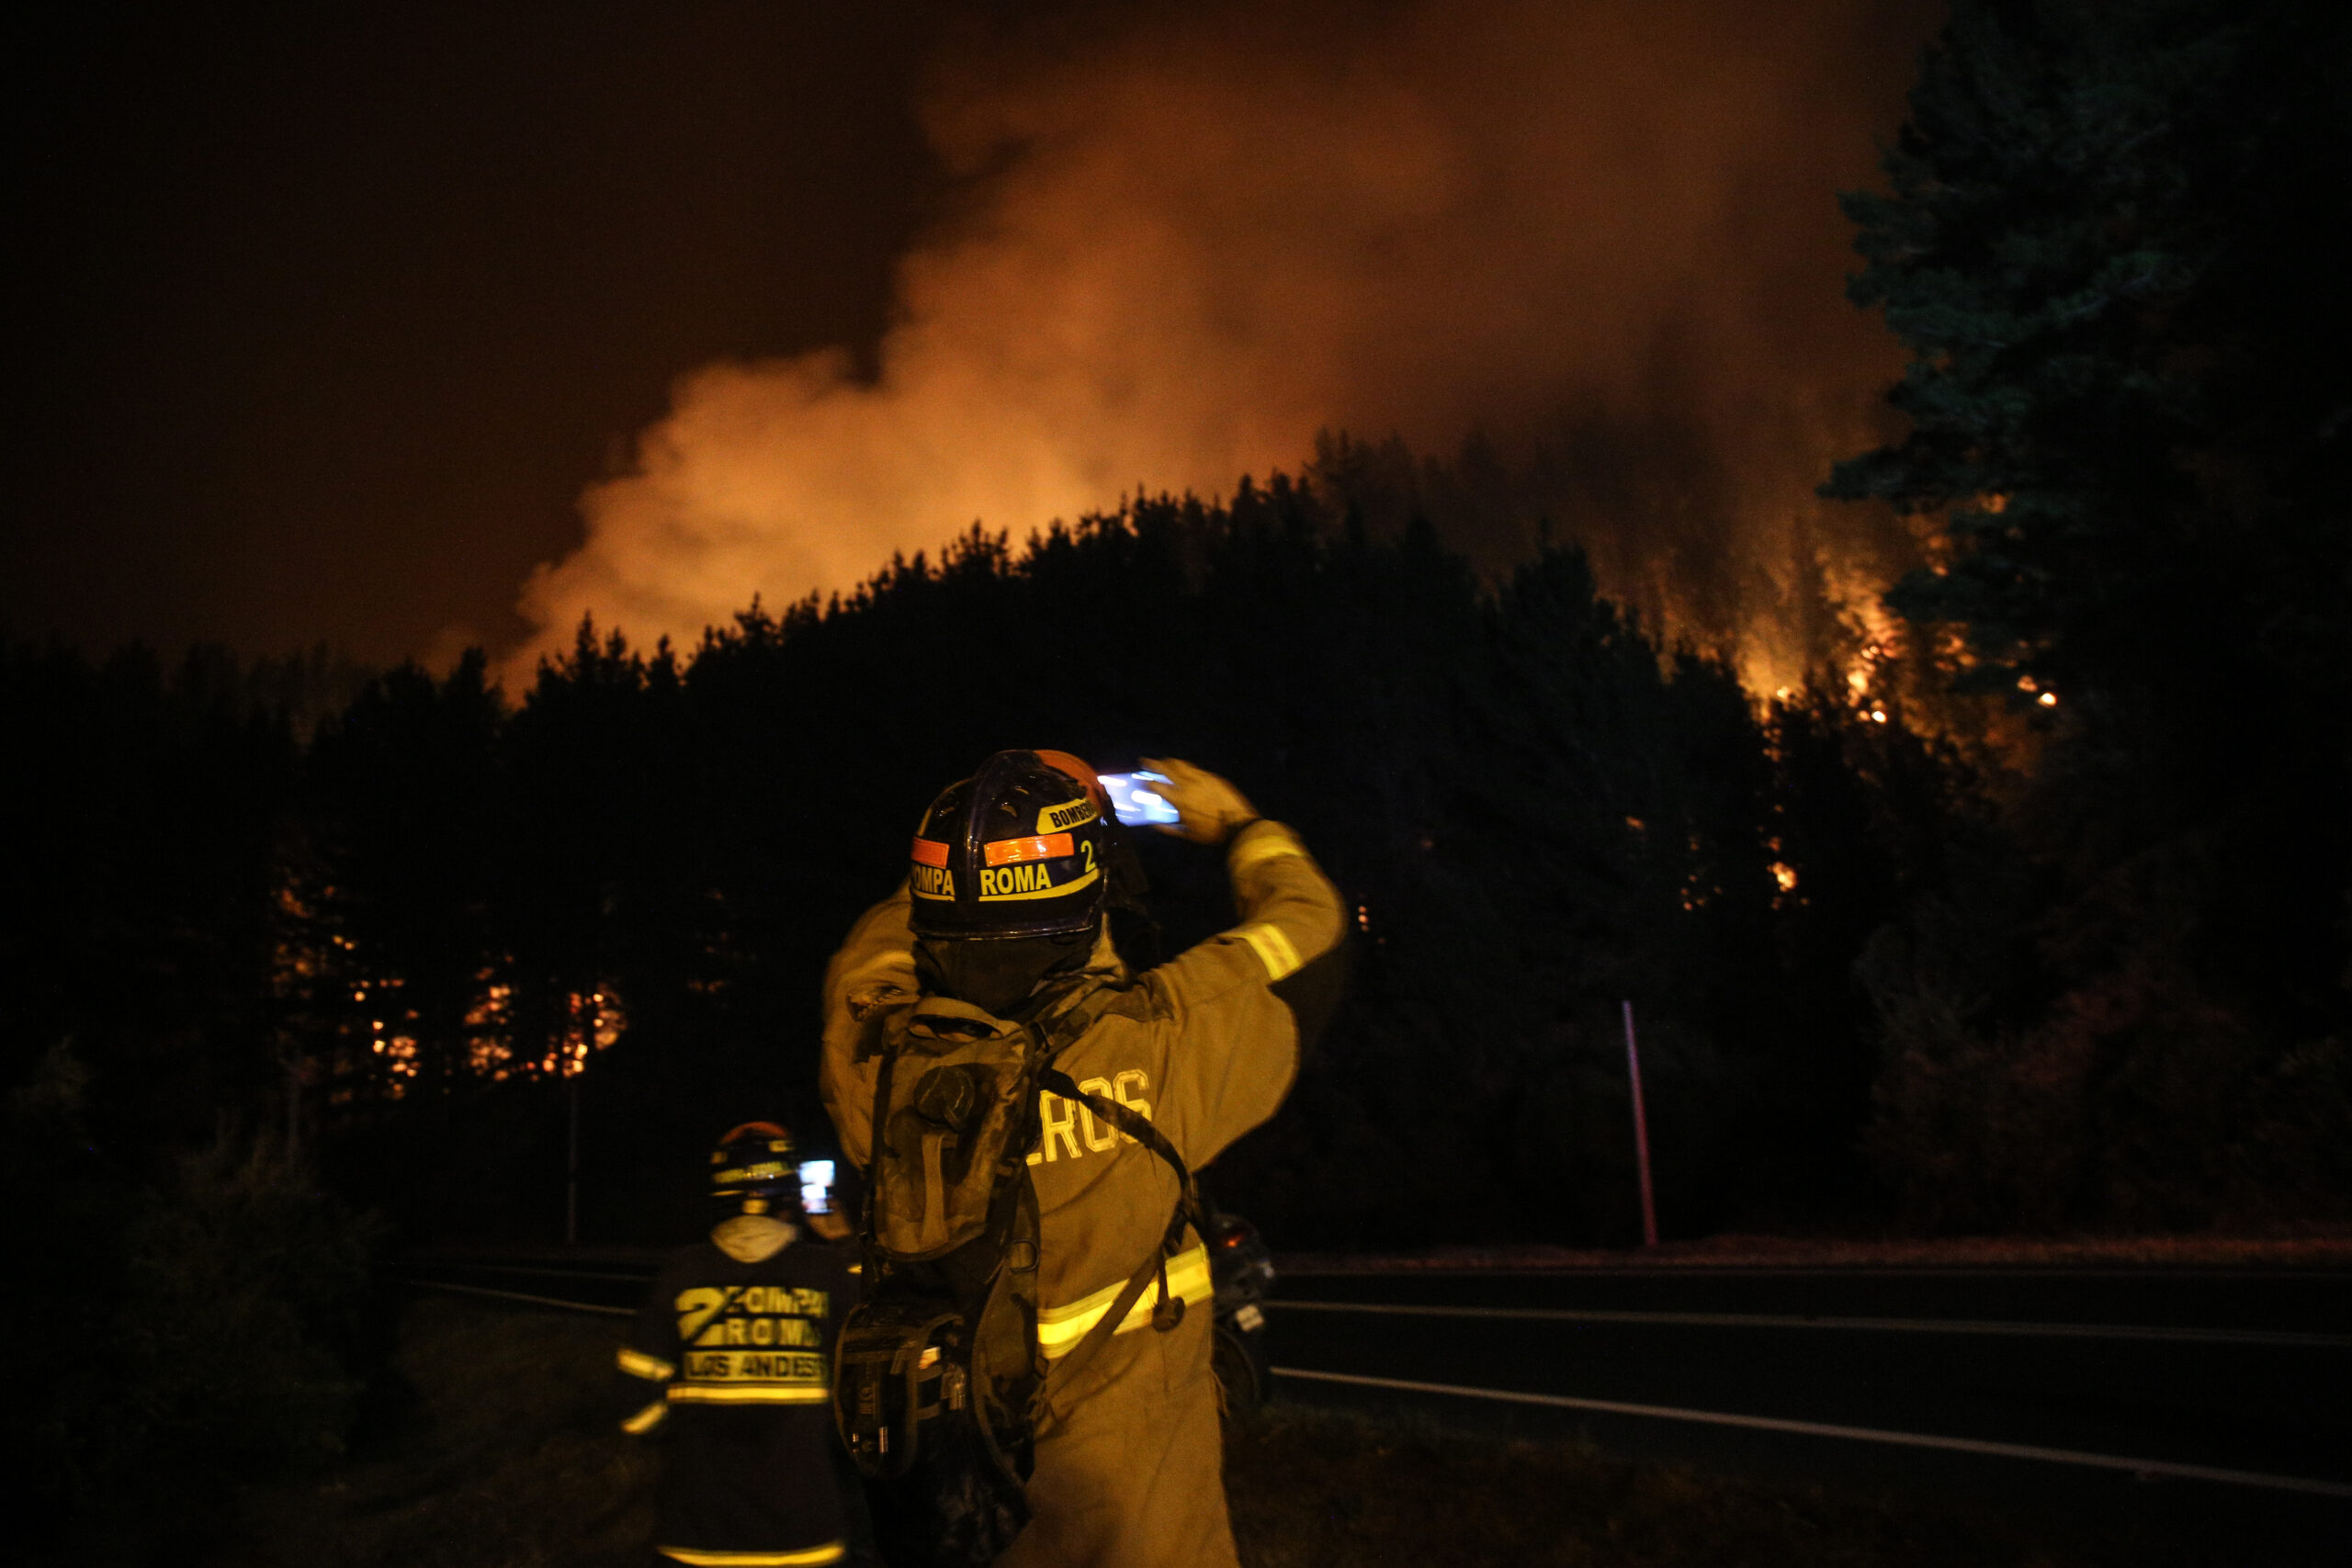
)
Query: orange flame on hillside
[{"x": 1200, "y": 238}]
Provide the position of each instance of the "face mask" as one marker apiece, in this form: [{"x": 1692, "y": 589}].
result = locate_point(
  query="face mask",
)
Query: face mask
[{"x": 997, "y": 976}]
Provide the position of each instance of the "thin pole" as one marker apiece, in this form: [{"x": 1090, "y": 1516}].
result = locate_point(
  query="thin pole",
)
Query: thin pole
[
  {"x": 293, "y": 1108},
  {"x": 1641, "y": 1132},
  {"x": 571, "y": 1166}
]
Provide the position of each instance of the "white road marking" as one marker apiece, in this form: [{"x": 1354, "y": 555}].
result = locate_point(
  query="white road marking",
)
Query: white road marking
[
  {"x": 519, "y": 1296},
  {"x": 638, "y": 1276},
  {"x": 1861, "y": 1434},
  {"x": 2264, "y": 1337}
]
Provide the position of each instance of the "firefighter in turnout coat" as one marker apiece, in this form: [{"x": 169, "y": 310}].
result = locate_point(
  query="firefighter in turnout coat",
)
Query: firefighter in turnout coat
[
  {"x": 729, "y": 1364},
  {"x": 1001, "y": 923}
]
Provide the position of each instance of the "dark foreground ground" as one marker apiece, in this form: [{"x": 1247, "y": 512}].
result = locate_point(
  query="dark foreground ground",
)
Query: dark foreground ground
[
  {"x": 503, "y": 1456},
  {"x": 2196, "y": 1391}
]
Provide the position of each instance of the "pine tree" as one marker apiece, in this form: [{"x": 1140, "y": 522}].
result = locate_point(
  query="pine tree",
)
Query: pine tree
[
  {"x": 2125, "y": 392},
  {"x": 2130, "y": 451}
]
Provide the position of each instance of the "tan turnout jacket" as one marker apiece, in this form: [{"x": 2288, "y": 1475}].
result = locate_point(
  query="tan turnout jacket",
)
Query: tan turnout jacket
[{"x": 1129, "y": 1454}]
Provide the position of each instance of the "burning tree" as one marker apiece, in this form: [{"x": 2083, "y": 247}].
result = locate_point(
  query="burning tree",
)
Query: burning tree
[{"x": 2129, "y": 456}]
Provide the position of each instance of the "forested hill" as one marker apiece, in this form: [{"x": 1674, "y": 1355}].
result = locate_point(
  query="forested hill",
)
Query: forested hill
[
  {"x": 2099, "y": 974},
  {"x": 408, "y": 922},
  {"x": 401, "y": 937}
]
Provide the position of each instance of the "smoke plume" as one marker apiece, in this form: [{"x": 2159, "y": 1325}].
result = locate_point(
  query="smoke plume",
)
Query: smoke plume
[{"x": 1597, "y": 241}]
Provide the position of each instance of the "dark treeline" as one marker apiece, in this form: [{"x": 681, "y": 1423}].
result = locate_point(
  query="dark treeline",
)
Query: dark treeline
[
  {"x": 393, "y": 942},
  {"x": 2035, "y": 915}
]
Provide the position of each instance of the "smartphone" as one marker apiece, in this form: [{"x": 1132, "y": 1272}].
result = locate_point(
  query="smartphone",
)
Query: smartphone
[
  {"x": 817, "y": 1186},
  {"x": 1132, "y": 801}
]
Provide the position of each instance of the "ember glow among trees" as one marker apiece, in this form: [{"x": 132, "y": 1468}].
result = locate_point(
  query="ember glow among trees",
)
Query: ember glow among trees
[
  {"x": 2031, "y": 912},
  {"x": 2129, "y": 455}
]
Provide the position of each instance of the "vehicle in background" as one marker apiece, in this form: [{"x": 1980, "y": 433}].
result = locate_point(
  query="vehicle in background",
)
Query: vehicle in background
[{"x": 1242, "y": 1266}]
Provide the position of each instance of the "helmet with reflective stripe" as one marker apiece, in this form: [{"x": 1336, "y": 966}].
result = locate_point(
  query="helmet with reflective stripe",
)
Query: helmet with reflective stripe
[
  {"x": 1017, "y": 850},
  {"x": 753, "y": 1171}
]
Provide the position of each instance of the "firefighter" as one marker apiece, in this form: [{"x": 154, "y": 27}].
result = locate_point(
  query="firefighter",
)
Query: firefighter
[
  {"x": 1003, "y": 912},
  {"x": 729, "y": 1363}
]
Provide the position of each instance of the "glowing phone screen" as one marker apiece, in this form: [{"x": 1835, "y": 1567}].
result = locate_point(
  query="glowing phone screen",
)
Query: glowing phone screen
[
  {"x": 1132, "y": 800},
  {"x": 817, "y": 1186}
]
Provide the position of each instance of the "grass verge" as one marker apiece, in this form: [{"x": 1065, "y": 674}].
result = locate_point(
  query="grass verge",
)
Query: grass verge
[
  {"x": 507, "y": 1459},
  {"x": 1318, "y": 1487}
]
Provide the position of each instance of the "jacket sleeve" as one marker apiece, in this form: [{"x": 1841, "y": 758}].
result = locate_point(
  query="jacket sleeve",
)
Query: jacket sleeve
[
  {"x": 648, "y": 1360},
  {"x": 1238, "y": 1010},
  {"x": 870, "y": 978}
]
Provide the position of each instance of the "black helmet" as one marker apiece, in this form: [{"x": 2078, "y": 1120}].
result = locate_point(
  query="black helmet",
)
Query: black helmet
[
  {"x": 753, "y": 1171},
  {"x": 1020, "y": 849}
]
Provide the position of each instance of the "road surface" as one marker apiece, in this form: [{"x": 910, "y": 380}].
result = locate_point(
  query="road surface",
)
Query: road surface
[
  {"x": 2209, "y": 1405},
  {"x": 2214, "y": 1403}
]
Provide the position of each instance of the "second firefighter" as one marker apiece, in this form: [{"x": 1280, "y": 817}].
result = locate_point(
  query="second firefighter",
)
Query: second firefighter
[{"x": 731, "y": 1364}]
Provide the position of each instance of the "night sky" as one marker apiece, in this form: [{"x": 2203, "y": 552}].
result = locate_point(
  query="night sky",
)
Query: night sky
[{"x": 326, "y": 317}]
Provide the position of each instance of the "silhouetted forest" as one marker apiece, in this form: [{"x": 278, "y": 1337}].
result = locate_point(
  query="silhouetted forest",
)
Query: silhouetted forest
[
  {"x": 396, "y": 939},
  {"x": 2034, "y": 914},
  {"x": 406, "y": 941}
]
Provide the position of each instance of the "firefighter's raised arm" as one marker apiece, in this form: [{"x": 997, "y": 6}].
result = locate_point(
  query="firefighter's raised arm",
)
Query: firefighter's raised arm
[
  {"x": 1245, "y": 1004},
  {"x": 1209, "y": 810},
  {"x": 1290, "y": 915}
]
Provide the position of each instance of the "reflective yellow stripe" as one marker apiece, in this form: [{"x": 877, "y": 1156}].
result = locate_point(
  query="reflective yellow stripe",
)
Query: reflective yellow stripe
[
  {"x": 1270, "y": 844},
  {"x": 1060, "y": 1328},
  {"x": 637, "y": 1364},
  {"x": 740, "y": 1394},
  {"x": 645, "y": 1420},
  {"x": 1274, "y": 949},
  {"x": 831, "y": 1551}
]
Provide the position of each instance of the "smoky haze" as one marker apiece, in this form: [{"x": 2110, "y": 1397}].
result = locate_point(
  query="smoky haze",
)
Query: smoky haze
[{"x": 1596, "y": 242}]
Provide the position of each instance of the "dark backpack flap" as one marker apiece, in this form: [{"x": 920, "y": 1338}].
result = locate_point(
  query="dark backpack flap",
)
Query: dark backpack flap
[
  {"x": 897, "y": 1368},
  {"x": 955, "y": 1507},
  {"x": 938, "y": 1482},
  {"x": 957, "y": 1092},
  {"x": 941, "y": 1375}
]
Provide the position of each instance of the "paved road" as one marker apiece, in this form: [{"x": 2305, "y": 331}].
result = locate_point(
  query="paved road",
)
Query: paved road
[
  {"x": 2207, "y": 1406},
  {"x": 2214, "y": 1403},
  {"x": 609, "y": 1280}
]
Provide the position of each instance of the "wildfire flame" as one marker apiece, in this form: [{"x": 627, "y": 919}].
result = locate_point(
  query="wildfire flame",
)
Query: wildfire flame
[{"x": 1200, "y": 239}]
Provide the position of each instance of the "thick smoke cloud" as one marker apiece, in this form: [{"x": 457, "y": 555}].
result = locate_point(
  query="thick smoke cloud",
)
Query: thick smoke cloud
[{"x": 1599, "y": 237}]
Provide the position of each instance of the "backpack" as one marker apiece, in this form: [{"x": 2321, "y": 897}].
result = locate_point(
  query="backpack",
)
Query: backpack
[{"x": 940, "y": 1378}]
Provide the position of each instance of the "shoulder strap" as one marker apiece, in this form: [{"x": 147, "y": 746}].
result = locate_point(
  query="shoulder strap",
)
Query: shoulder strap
[
  {"x": 877, "y": 1110},
  {"x": 1133, "y": 1124},
  {"x": 1140, "y": 1129}
]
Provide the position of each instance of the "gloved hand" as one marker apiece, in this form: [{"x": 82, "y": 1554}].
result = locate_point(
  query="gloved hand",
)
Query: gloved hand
[{"x": 1208, "y": 809}]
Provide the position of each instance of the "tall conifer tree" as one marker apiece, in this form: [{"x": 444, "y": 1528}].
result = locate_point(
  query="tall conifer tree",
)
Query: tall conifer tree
[{"x": 2129, "y": 450}]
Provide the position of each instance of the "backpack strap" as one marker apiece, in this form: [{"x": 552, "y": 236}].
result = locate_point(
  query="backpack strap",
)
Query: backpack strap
[
  {"x": 868, "y": 1239},
  {"x": 1126, "y": 1120},
  {"x": 1167, "y": 1313}
]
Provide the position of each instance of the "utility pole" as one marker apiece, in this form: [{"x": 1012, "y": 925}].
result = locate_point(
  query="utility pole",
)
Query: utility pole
[
  {"x": 1641, "y": 1132},
  {"x": 293, "y": 1105},
  {"x": 571, "y": 1158}
]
